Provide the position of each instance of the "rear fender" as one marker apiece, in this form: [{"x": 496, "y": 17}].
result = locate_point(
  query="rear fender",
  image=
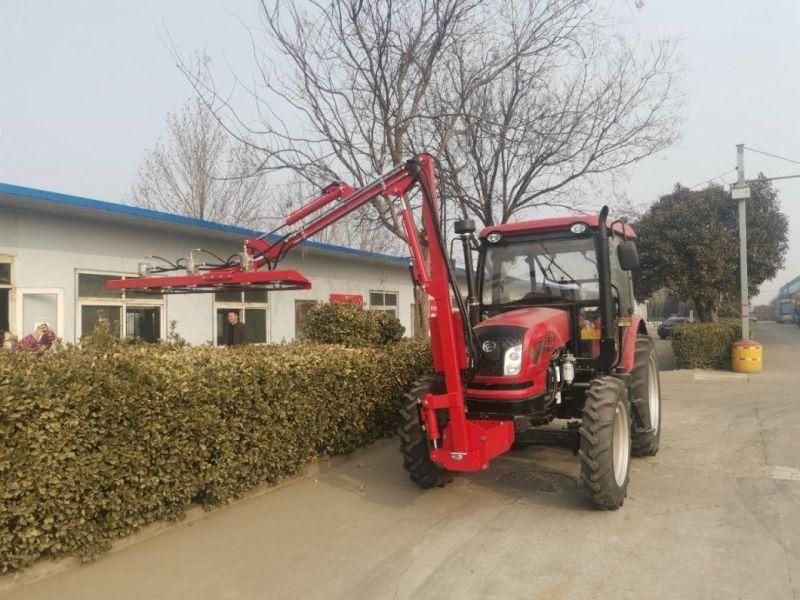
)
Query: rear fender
[{"x": 629, "y": 342}]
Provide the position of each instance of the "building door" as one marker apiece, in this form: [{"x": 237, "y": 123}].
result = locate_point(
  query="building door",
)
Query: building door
[
  {"x": 301, "y": 308},
  {"x": 5, "y": 295},
  {"x": 39, "y": 305}
]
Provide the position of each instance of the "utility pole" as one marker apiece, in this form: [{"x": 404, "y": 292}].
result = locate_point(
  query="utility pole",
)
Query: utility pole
[{"x": 741, "y": 192}]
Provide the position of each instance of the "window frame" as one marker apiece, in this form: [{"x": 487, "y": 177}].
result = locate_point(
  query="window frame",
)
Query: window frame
[
  {"x": 20, "y": 293},
  {"x": 156, "y": 301},
  {"x": 241, "y": 307},
  {"x": 394, "y": 309}
]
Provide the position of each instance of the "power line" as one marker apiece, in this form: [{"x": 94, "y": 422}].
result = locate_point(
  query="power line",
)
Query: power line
[
  {"x": 713, "y": 178},
  {"x": 783, "y": 177},
  {"x": 797, "y": 162}
]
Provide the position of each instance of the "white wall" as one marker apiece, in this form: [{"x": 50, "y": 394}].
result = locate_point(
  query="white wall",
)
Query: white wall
[{"x": 48, "y": 250}]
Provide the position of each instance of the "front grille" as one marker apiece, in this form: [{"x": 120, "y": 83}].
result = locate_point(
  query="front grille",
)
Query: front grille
[{"x": 493, "y": 342}]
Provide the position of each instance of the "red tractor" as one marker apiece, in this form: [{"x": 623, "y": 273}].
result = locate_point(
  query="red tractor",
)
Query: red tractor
[{"x": 547, "y": 332}]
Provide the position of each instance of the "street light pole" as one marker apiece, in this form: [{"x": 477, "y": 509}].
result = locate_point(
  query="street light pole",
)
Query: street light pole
[{"x": 742, "y": 193}]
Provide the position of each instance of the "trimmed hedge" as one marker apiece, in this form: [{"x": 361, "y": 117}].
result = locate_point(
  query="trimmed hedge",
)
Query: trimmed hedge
[
  {"x": 705, "y": 345},
  {"x": 351, "y": 325},
  {"x": 96, "y": 443}
]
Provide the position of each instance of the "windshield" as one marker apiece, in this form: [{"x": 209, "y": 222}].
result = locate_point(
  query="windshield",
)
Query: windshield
[
  {"x": 786, "y": 307},
  {"x": 559, "y": 268}
]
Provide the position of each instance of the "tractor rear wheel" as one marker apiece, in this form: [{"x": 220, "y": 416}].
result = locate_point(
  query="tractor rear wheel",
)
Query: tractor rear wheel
[
  {"x": 414, "y": 444},
  {"x": 646, "y": 399},
  {"x": 606, "y": 443}
]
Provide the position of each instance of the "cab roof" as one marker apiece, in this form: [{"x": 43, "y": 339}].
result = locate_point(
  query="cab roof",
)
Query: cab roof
[{"x": 554, "y": 224}]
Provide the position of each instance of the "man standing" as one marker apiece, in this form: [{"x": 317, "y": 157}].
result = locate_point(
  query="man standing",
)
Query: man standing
[{"x": 237, "y": 332}]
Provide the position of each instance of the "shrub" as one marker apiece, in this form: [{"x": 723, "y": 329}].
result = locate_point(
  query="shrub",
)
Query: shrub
[
  {"x": 101, "y": 337},
  {"x": 97, "y": 442},
  {"x": 390, "y": 328},
  {"x": 351, "y": 325},
  {"x": 705, "y": 345}
]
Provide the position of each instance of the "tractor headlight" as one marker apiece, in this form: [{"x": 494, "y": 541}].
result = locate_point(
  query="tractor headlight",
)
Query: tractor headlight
[
  {"x": 512, "y": 360},
  {"x": 494, "y": 237}
]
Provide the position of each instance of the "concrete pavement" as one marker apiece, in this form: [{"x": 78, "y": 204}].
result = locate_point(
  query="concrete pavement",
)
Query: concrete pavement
[{"x": 715, "y": 515}]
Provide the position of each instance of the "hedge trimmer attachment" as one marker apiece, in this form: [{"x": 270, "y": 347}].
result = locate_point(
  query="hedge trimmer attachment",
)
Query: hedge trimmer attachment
[{"x": 460, "y": 444}]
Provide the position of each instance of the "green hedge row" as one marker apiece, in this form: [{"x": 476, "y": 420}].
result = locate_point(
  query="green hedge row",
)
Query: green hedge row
[
  {"x": 351, "y": 325},
  {"x": 95, "y": 443},
  {"x": 705, "y": 345}
]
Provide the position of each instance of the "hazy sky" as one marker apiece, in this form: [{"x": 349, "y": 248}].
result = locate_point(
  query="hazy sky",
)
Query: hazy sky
[{"x": 85, "y": 87}]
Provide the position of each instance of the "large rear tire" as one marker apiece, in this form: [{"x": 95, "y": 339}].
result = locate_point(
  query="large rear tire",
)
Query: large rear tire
[
  {"x": 606, "y": 443},
  {"x": 646, "y": 399},
  {"x": 414, "y": 444}
]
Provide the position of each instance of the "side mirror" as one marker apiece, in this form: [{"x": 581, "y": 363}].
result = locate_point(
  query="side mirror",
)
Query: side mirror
[{"x": 628, "y": 256}]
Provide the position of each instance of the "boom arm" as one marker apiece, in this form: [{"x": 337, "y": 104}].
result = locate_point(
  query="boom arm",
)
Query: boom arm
[{"x": 464, "y": 445}]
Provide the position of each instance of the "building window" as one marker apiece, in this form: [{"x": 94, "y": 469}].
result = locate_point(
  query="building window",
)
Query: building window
[
  {"x": 131, "y": 314},
  {"x": 143, "y": 322},
  {"x": 301, "y": 309},
  {"x": 5, "y": 296},
  {"x": 386, "y": 301},
  {"x": 252, "y": 310}
]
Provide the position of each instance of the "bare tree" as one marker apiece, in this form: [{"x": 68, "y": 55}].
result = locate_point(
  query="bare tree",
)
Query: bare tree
[
  {"x": 200, "y": 171},
  {"x": 583, "y": 105},
  {"x": 519, "y": 100},
  {"x": 351, "y": 88}
]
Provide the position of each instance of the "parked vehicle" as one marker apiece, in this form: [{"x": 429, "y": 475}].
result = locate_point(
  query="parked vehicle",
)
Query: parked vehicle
[
  {"x": 797, "y": 309},
  {"x": 665, "y": 329},
  {"x": 547, "y": 331}
]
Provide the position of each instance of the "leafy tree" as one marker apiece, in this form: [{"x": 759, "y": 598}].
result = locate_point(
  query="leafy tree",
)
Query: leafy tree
[{"x": 688, "y": 242}]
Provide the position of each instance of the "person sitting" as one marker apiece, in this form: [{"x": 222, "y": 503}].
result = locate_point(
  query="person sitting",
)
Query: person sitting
[{"x": 39, "y": 341}]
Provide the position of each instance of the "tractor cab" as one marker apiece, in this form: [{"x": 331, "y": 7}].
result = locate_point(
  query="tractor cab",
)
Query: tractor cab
[{"x": 565, "y": 264}]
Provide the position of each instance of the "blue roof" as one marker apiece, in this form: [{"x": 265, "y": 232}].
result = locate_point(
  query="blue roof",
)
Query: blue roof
[{"x": 146, "y": 213}]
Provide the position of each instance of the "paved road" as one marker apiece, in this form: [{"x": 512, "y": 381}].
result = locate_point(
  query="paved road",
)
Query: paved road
[
  {"x": 666, "y": 358},
  {"x": 715, "y": 515}
]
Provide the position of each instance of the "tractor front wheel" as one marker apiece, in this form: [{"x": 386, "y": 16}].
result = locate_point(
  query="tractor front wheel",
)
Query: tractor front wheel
[
  {"x": 606, "y": 443},
  {"x": 414, "y": 444}
]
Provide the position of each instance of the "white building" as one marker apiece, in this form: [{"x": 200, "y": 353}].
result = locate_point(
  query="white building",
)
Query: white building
[{"x": 57, "y": 251}]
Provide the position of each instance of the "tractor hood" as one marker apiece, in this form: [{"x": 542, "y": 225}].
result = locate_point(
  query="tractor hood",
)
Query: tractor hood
[
  {"x": 539, "y": 331},
  {"x": 529, "y": 319}
]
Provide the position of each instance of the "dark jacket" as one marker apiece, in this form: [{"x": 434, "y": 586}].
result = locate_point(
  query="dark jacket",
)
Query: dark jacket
[{"x": 237, "y": 335}]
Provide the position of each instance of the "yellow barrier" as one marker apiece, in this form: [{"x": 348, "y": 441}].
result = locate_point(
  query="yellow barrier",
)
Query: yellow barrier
[{"x": 746, "y": 357}]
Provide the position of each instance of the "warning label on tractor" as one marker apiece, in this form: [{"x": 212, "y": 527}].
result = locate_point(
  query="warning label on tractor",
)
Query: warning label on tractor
[{"x": 590, "y": 334}]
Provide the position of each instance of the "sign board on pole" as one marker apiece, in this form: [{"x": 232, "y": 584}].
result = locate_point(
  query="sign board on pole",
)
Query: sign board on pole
[{"x": 740, "y": 193}]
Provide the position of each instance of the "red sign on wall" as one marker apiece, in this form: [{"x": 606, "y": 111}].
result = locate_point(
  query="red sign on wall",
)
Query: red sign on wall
[{"x": 347, "y": 299}]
